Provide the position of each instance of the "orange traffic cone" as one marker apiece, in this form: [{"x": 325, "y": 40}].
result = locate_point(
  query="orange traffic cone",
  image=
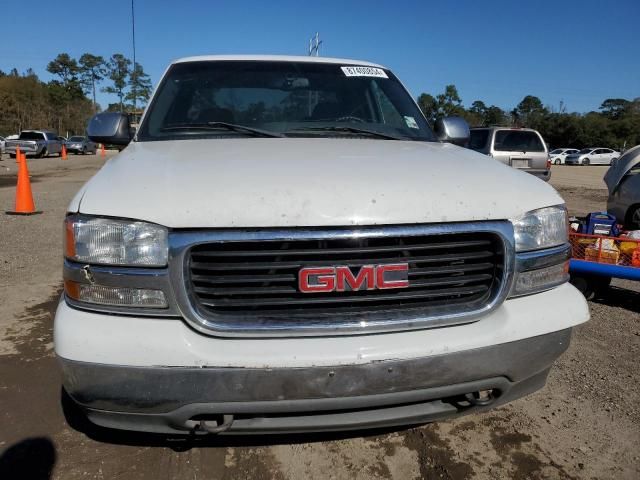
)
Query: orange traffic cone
[
  {"x": 20, "y": 157},
  {"x": 102, "y": 151},
  {"x": 24, "y": 197},
  {"x": 18, "y": 154},
  {"x": 64, "y": 152}
]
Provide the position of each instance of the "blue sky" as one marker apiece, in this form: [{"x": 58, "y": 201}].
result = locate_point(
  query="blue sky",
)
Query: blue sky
[{"x": 576, "y": 51}]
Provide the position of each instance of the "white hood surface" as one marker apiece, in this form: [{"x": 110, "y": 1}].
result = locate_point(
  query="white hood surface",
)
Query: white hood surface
[{"x": 289, "y": 182}]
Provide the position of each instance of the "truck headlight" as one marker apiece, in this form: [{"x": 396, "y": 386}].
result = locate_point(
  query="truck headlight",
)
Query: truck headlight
[
  {"x": 542, "y": 250},
  {"x": 107, "y": 241},
  {"x": 543, "y": 228}
]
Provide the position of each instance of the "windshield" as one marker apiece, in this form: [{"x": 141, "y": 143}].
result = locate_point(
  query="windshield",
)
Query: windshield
[
  {"x": 195, "y": 99},
  {"x": 586, "y": 150},
  {"x": 31, "y": 136},
  {"x": 76, "y": 139},
  {"x": 557, "y": 151}
]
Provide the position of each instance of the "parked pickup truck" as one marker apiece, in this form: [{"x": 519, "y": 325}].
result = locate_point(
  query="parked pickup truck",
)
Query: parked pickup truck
[
  {"x": 38, "y": 143},
  {"x": 291, "y": 248}
]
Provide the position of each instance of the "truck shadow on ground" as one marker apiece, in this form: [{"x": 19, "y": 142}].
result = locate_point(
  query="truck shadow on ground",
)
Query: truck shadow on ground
[
  {"x": 620, "y": 298},
  {"x": 32, "y": 458}
]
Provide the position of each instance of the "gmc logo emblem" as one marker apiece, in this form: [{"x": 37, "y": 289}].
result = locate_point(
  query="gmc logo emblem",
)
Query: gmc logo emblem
[{"x": 342, "y": 279}]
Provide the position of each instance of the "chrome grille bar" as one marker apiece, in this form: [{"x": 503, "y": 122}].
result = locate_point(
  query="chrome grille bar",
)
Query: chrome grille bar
[{"x": 244, "y": 282}]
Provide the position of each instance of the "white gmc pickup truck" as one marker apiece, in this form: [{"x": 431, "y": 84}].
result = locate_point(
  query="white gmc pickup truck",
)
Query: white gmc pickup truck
[{"x": 286, "y": 246}]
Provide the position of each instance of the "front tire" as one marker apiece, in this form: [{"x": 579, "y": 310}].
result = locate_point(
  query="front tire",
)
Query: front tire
[
  {"x": 633, "y": 218},
  {"x": 42, "y": 154},
  {"x": 557, "y": 162},
  {"x": 591, "y": 285},
  {"x": 586, "y": 161}
]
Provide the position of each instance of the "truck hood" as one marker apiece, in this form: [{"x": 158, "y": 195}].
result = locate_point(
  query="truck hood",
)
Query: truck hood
[{"x": 287, "y": 182}]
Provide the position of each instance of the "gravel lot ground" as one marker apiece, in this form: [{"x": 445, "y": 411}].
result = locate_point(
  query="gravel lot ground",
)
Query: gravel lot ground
[{"x": 584, "y": 424}]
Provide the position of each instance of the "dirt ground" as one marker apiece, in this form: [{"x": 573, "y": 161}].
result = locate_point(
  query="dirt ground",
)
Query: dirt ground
[{"x": 584, "y": 424}]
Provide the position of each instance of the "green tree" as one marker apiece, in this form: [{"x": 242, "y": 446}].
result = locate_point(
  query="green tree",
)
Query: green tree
[
  {"x": 92, "y": 70},
  {"x": 530, "y": 104},
  {"x": 449, "y": 102},
  {"x": 139, "y": 86},
  {"x": 118, "y": 69},
  {"x": 530, "y": 112},
  {"x": 64, "y": 67},
  {"x": 494, "y": 116},
  {"x": 67, "y": 69},
  {"x": 27, "y": 102},
  {"x": 429, "y": 106},
  {"x": 478, "y": 107},
  {"x": 614, "y": 107},
  {"x": 475, "y": 114}
]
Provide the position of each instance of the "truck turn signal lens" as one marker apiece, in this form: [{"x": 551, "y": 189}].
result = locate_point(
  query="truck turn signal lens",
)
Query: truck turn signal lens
[{"x": 115, "y": 296}]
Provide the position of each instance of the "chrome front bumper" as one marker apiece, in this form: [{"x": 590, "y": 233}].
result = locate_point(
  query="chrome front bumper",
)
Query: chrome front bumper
[
  {"x": 26, "y": 150},
  {"x": 277, "y": 400}
]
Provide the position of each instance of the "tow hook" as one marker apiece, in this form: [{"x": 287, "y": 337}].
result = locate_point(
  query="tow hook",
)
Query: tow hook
[
  {"x": 206, "y": 425},
  {"x": 481, "y": 398}
]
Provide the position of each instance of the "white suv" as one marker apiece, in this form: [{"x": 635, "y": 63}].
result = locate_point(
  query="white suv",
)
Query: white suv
[
  {"x": 291, "y": 248},
  {"x": 558, "y": 155},
  {"x": 593, "y": 156}
]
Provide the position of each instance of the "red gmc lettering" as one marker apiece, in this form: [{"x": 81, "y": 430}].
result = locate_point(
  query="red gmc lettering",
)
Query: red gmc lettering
[
  {"x": 345, "y": 277},
  {"x": 342, "y": 279},
  {"x": 398, "y": 267},
  {"x": 325, "y": 280}
]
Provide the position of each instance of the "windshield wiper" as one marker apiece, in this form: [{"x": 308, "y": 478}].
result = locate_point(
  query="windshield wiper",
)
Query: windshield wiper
[
  {"x": 222, "y": 126},
  {"x": 355, "y": 130}
]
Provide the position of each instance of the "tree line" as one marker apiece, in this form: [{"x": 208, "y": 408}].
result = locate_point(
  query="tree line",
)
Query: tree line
[
  {"x": 66, "y": 102},
  {"x": 616, "y": 124}
]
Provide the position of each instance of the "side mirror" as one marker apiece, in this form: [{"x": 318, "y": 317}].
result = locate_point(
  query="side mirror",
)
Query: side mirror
[
  {"x": 452, "y": 130},
  {"x": 110, "y": 127}
]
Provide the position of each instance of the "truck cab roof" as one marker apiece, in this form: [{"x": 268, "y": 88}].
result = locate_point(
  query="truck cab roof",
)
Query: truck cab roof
[{"x": 276, "y": 58}]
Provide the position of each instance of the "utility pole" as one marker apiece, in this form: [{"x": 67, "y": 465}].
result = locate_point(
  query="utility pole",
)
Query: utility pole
[
  {"x": 314, "y": 51},
  {"x": 314, "y": 45},
  {"x": 133, "y": 36}
]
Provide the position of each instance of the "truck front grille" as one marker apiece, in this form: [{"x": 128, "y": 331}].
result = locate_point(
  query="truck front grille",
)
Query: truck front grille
[{"x": 449, "y": 273}]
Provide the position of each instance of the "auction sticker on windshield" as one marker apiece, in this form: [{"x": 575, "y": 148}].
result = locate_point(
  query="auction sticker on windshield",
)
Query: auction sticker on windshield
[
  {"x": 364, "y": 72},
  {"x": 411, "y": 122}
]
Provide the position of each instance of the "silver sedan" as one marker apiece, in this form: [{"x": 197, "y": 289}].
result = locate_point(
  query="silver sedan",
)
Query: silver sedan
[
  {"x": 623, "y": 182},
  {"x": 80, "y": 144}
]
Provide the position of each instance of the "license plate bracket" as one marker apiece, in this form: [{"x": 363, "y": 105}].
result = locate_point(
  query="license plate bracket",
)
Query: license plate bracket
[{"x": 521, "y": 162}]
